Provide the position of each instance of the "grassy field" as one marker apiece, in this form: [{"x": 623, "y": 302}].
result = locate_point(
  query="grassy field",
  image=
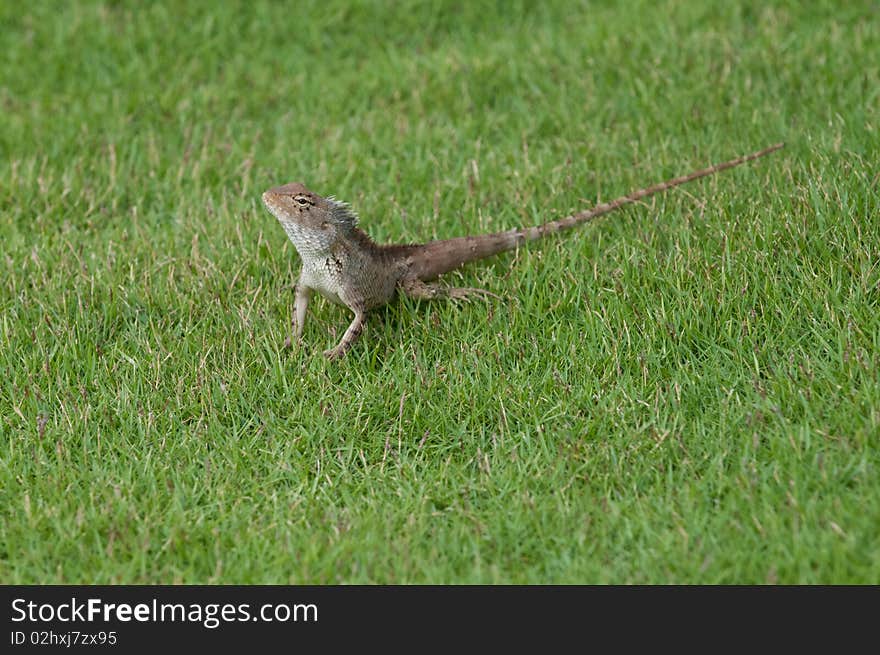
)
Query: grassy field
[{"x": 686, "y": 391}]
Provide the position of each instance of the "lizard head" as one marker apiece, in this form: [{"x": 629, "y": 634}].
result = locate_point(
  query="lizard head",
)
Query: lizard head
[{"x": 312, "y": 222}]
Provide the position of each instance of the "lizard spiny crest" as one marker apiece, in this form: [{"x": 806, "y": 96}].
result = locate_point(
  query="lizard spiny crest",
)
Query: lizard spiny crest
[{"x": 342, "y": 214}]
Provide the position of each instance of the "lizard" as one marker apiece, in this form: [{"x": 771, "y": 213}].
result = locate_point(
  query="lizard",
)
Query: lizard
[{"x": 343, "y": 264}]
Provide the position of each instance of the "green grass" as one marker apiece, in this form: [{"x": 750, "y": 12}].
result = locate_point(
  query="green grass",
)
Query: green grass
[{"x": 685, "y": 391}]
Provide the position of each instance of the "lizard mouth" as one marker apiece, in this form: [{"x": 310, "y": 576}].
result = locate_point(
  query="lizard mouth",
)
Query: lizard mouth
[{"x": 269, "y": 202}]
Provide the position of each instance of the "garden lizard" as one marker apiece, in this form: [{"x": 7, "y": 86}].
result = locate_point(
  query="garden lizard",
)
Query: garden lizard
[{"x": 343, "y": 264}]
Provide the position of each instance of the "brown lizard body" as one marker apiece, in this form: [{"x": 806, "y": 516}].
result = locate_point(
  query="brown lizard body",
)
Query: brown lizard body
[{"x": 346, "y": 266}]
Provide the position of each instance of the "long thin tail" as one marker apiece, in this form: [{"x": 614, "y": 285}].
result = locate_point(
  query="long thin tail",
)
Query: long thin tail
[{"x": 438, "y": 257}]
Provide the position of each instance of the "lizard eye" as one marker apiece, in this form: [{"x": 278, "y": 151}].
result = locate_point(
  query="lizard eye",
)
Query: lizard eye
[{"x": 301, "y": 200}]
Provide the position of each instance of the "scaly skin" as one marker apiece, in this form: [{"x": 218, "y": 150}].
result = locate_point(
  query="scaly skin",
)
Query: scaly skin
[{"x": 346, "y": 266}]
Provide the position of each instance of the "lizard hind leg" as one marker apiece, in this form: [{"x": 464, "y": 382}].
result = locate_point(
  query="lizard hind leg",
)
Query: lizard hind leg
[{"x": 419, "y": 290}]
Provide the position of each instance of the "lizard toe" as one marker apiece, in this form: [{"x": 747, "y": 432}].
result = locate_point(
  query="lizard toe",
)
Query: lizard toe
[{"x": 335, "y": 353}]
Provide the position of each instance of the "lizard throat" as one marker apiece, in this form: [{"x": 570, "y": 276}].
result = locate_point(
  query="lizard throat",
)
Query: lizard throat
[{"x": 310, "y": 244}]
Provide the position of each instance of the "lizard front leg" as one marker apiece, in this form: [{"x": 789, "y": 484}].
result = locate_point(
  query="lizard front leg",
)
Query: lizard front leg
[
  {"x": 301, "y": 299},
  {"x": 300, "y": 305},
  {"x": 350, "y": 336},
  {"x": 415, "y": 288}
]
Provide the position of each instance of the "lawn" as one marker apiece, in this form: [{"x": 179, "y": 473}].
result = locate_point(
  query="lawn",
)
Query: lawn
[{"x": 685, "y": 391}]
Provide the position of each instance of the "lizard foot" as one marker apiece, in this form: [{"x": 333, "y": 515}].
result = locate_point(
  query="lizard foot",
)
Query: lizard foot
[
  {"x": 292, "y": 342},
  {"x": 335, "y": 353},
  {"x": 415, "y": 288},
  {"x": 466, "y": 293}
]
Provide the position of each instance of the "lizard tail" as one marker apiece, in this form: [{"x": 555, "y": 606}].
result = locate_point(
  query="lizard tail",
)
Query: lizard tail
[{"x": 438, "y": 257}]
